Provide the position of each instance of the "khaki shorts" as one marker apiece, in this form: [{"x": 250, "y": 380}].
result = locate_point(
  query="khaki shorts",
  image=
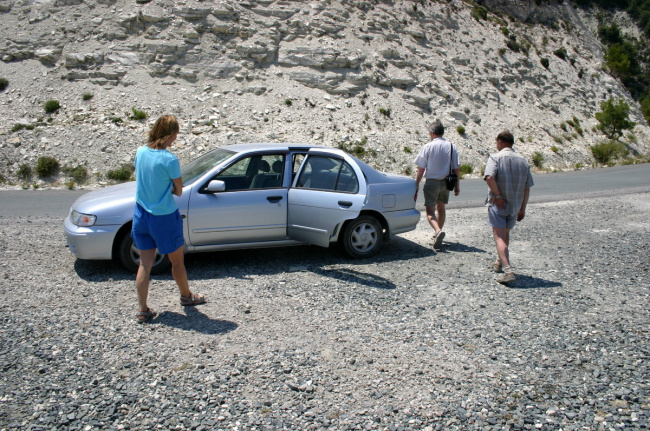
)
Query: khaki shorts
[{"x": 435, "y": 191}]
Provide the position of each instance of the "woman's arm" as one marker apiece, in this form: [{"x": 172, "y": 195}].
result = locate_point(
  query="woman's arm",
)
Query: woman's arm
[{"x": 178, "y": 186}]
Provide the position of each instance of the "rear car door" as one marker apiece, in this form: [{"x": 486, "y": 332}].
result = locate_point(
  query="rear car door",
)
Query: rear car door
[{"x": 328, "y": 189}]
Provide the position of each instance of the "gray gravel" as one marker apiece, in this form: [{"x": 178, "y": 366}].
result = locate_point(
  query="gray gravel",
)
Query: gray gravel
[{"x": 304, "y": 339}]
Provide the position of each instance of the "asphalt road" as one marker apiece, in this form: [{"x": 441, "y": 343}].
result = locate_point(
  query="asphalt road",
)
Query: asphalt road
[{"x": 548, "y": 188}]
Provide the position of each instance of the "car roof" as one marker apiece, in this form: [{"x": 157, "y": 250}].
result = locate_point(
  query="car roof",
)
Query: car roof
[{"x": 239, "y": 148}]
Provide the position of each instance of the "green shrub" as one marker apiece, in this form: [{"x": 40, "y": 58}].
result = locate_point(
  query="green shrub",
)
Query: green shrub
[
  {"x": 408, "y": 171},
  {"x": 385, "y": 111},
  {"x": 138, "y": 115},
  {"x": 466, "y": 169},
  {"x": 505, "y": 31},
  {"x": 561, "y": 53},
  {"x": 613, "y": 118},
  {"x": 51, "y": 106},
  {"x": 502, "y": 52},
  {"x": 70, "y": 185},
  {"x": 17, "y": 127},
  {"x": 116, "y": 120},
  {"x": 645, "y": 107},
  {"x": 605, "y": 152},
  {"x": 563, "y": 126},
  {"x": 545, "y": 62},
  {"x": 3, "y": 83},
  {"x": 538, "y": 159},
  {"x": 555, "y": 149},
  {"x": 79, "y": 173},
  {"x": 288, "y": 102},
  {"x": 479, "y": 13},
  {"x": 86, "y": 96},
  {"x": 460, "y": 130},
  {"x": 24, "y": 172},
  {"x": 46, "y": 166},
  {"x": 123, "y": 173},
  {"x": 408, "y": 150}
]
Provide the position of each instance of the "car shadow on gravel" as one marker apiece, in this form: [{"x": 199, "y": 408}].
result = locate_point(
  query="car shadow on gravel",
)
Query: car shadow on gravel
[
  {"x": 194, "y": 320},
  {"x": 456, "y": 247}
]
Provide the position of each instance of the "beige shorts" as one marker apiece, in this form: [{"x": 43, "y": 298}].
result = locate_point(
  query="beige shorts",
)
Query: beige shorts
[{"x": 435, "y": 191}]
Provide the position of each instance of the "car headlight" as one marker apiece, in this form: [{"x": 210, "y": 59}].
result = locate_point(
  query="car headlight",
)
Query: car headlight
[{"x": 81, "y": 219}]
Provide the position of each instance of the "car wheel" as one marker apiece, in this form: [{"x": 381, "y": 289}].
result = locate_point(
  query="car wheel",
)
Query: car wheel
[
  {"x": 362, "y": 237},
  {"x": 129, "y": 257}
]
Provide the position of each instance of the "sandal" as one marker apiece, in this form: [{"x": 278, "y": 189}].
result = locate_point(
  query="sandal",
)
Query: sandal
[
  {"x": 145, "y": 316},
  {"x": 193, "y": 299}
]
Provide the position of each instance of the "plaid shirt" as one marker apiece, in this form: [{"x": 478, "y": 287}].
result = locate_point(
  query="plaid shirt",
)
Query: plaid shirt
[{"x": 512, "y": 174}]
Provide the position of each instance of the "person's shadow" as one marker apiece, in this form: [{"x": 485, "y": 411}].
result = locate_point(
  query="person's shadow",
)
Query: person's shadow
[
  {"x": 194, "y": 320},
  {"x": 528, "y": 282}
]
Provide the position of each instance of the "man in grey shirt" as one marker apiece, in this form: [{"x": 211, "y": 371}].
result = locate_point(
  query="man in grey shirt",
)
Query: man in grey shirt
[
  {"x": 434, "y": 162},
  {"x": 509, "y": 179}
]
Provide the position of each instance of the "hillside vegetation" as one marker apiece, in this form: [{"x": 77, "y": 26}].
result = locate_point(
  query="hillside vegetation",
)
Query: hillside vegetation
[{"x": 84, "y": 80}]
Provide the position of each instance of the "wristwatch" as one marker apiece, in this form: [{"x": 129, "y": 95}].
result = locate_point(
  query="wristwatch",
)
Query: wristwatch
[{"x": 497, "y": 197}]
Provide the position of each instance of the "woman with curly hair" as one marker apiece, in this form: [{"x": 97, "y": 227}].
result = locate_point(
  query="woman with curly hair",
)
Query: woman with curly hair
[{"x": 157, "y": 222}]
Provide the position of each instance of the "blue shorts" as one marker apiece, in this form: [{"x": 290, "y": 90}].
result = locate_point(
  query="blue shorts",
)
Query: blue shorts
[
  {"x": 164, "y": 232},
  {"x": 500, "y": 218}
]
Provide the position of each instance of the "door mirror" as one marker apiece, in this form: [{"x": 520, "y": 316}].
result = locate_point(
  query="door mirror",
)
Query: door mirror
[{"x": 215, "y": 186}]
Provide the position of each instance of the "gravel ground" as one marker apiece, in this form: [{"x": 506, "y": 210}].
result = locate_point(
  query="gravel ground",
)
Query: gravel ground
[{"x": 304, "y": 339}]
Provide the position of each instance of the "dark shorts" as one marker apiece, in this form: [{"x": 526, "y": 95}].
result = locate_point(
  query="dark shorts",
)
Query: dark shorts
[
  {"x": 500, "y": 218},
  {"x": 164, "y": 232},
  {"x": 434, "y": 191}
]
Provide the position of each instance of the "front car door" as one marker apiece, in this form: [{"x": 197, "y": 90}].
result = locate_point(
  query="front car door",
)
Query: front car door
[
  {"x": 328, "y": 189},
  {"x": 252, "y": 209}
]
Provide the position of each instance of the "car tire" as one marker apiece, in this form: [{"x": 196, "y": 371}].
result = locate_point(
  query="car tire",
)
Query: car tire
[
  {"x": 362, "y": 237},
  {"x": 129, "y": 257}
]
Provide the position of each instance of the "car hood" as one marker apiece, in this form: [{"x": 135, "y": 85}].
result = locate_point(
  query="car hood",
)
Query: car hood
[{"x": 111, "y": 205}]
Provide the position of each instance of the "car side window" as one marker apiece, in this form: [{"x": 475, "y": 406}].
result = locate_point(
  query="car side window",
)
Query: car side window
[
  {"x": 261, "y": 171},
  {"x": 328, "y": 173}
]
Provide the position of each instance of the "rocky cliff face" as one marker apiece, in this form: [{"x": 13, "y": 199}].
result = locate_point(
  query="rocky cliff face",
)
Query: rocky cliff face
[{"x": 364, "y": 75}]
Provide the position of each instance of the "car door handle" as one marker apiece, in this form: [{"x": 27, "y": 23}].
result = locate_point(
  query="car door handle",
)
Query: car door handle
[
  {"x": 345, "y": 204},
  {"x": 274, "y": 199}
]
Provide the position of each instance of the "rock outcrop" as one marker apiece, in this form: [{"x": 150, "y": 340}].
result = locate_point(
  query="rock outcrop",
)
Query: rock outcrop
[{"x": 356, "y": 74}]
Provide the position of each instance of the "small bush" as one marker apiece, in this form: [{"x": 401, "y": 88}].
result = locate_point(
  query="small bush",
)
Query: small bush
[
  {"x": 563, "y": 126},
  {"x": 466, "y": 169},
  {"x": 538, "y": 159},
  {"x": 86, "y": 96},
  {"x": 561, "y": 53},
  {"x": 46, "y": 166},
  {"x": 606, "y": 152},
  {"x": 502, "y": 52},
  {"x": 545, "y": 62},
  {"x": 51, "y": 106},
  {"x": 17, "y": 127},
  {"x": 70, "y": 185},
  {"x": 408, "y": 150},
  {"x": 288, "y": 102},
  {"x": 2, "y": 179},
  {"x": 121, "y": 174},
  {"x": 79, "y": 173},
  {"x": 460, "y": 130},
  {"x": 3, "y": 83},
  {"x": 385, "y": 112},
  {"x": 24, "y": 172},
  {"x": 138, "y": 115},
  {"x": 555, "y": 149},
  {"x": 116, "y": 120},
  {"x": 408, "y": 171},
  {"x": 478, "y": 13}
]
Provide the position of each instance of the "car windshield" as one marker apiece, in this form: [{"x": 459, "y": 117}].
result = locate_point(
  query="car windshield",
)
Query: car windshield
[{"x": 197, "y": 167}]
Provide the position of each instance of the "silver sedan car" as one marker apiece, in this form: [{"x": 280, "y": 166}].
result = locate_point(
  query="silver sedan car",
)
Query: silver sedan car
[{"x": 254, "y": 196}]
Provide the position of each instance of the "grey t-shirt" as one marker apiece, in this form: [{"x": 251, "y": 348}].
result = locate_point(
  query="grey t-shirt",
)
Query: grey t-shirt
[{"x": 512, "y": 174}]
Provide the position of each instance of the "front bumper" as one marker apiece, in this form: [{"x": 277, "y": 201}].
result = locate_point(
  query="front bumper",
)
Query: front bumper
[{"x": 93, "y": 243}]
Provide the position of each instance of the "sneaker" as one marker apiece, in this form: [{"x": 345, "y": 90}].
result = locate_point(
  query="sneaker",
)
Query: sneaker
[
  {"x": 506, "y": 277},
  {"x": 497, "y": 265},
  {"x": 440, "y": 235}
]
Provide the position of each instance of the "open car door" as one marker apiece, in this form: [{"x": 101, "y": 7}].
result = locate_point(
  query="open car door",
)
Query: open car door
[{"x": 329, "y": 189}]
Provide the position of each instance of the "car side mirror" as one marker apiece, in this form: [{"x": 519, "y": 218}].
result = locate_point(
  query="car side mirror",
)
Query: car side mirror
[{"x": 215, "y": 186}]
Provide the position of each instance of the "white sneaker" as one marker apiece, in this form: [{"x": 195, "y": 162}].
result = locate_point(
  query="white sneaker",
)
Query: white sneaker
[
  {"x": 506, "y": 277},
  {"x": 438, "y": 241}
]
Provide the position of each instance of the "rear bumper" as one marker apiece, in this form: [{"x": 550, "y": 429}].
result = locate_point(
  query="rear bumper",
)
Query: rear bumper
[
  {"x": 93, "y": 243},
  {"x": 402, "y": 221}
]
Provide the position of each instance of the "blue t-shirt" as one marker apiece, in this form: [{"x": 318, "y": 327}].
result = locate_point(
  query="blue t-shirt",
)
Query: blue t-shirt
[{"x": 154, "y": 172}]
